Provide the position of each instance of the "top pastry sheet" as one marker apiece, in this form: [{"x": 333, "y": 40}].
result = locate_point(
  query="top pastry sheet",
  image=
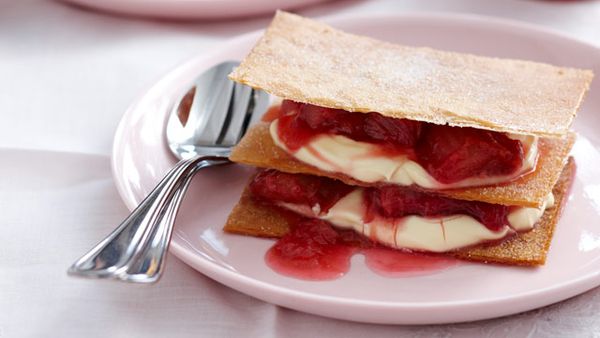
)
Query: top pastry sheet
[{"x": 307, "y": 61}]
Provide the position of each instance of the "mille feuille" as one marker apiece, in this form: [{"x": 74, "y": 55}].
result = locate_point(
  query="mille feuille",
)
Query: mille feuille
[{"x": 415, "y": 148}]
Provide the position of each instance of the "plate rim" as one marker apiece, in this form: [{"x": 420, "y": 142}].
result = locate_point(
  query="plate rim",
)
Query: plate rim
[
  {"x": 212, "y": 10},
  {"x": 567, "y": 288}
]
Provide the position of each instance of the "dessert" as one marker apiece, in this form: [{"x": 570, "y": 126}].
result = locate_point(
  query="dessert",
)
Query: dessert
[{"x": 413, "y": 148}]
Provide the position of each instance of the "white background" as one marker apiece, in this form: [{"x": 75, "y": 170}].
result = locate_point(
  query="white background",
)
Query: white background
[{"x": 66, "y": 77}]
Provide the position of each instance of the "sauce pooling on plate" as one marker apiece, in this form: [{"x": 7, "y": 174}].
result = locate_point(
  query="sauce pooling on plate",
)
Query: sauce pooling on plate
[{"x": 314, "y": 250}]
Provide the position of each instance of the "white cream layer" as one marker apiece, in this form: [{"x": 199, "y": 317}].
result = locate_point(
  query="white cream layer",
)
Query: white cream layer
[
  {"x": 362, "y": 161},
  {"x": 435, "y": 234}
]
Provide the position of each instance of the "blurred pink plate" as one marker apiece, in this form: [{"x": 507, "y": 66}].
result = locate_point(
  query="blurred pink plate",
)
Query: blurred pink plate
[
  {"x": 192, "y": 9},
  {"x": 462, "y": 293}
]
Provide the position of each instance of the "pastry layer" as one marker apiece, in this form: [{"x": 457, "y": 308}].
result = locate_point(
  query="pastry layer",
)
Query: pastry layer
[
  {"x": 258, "y": 149},
  {"x": 307, "y": 61},
  {"x": 255, "y": 219}
]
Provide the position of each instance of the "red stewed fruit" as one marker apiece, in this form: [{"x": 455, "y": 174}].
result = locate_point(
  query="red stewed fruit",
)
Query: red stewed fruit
[
  {"x": 452, "y": 154},
  {"x": 396, "y": 202},
  {"x": 276, "y": 186},
  {"x": 449, "y": 154},
  {"x": 299, "y": 123},
  {"x": 388, "y": 201}
]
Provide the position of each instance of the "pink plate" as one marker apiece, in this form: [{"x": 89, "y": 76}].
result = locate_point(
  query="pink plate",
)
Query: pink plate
[
  {"x": 463, "y": 293},
  {"x": 192, "y": 9}
]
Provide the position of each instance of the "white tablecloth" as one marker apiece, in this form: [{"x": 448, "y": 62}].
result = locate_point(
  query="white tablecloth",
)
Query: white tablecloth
[{"x": 66, "y": 77}]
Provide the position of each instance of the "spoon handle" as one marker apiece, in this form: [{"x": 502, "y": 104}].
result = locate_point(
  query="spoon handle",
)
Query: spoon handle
[{"x": 135, "y": 251}]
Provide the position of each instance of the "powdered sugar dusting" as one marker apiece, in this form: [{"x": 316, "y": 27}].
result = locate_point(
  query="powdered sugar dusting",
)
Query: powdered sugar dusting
[{"x": 306, "y": 61}]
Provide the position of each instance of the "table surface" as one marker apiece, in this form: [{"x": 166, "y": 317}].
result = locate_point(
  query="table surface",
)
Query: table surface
[{"x": 66, "y": 77}]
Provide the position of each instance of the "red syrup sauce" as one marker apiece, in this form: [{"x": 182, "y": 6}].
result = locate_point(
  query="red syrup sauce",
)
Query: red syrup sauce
[
  {"x": 396, "y": 263},
  {"x": 314, "y": 250},
  {"x": 449, "y": 154}
]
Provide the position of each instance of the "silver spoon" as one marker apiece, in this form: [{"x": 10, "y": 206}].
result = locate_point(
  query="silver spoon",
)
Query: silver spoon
[{"x": 203, "y": 127}]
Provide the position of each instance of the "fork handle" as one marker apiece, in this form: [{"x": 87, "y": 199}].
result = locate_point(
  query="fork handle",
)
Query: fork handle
[{"x": 135, "y": 250}]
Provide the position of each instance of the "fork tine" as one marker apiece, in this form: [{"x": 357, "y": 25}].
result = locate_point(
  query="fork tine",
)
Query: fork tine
[
  {"x": 215, "y": 109},
  {"x": 242, "y": 101},
  {"x": 261, "y": 102},
  {"x": 248, "y": 107}
]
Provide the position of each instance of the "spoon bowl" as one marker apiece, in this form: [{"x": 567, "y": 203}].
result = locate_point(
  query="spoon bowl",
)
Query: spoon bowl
[{"x": 210, "y": 125}]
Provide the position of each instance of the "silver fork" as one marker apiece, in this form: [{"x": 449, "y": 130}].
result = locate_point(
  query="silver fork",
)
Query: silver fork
[{"x": 203, "y": 127}]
